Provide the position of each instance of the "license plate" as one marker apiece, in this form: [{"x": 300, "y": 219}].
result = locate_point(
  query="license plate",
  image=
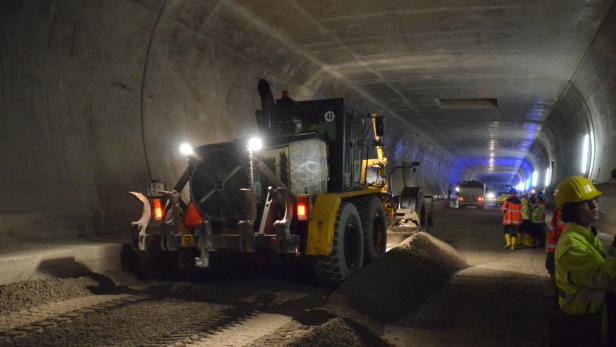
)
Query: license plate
[
  {"x": 186, "y": 240},
  {"x": 155, "y": 189}
]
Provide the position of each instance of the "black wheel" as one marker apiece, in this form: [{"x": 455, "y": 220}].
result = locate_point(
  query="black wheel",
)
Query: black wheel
[
  {"x": 374, "y": 225},
  {"x": 347, "y": 255}
]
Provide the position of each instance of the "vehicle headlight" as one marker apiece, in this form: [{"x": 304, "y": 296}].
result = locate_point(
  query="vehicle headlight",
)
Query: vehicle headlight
[
  {"x": 255, "y": 144},
  {"x": 186, "y": 149}
]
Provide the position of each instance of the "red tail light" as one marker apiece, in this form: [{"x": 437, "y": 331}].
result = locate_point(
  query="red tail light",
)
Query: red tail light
[
  {"x": 480, "y": 198},
  {"x": 192, "y": 216},
  {"x": 460, "y": 198},
  {"x": 303, "y": 204},
  {"x": 158, "y": 209}
]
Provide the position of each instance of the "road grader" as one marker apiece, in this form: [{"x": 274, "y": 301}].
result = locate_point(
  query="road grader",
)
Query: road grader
[{"x": 313, "y": 186}]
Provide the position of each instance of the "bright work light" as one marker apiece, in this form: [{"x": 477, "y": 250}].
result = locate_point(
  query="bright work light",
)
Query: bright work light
[
  {"x": 548, "y": 176},
  {"x": 186, "y": 149},
  {"x": 255, "y": 144}
]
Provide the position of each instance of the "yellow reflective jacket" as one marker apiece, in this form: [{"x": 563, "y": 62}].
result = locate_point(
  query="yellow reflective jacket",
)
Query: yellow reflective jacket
[
  {"x": 584, "y": 273},
  {"x": 538, "y": 214},
  {"x": 525, "y": 214}
]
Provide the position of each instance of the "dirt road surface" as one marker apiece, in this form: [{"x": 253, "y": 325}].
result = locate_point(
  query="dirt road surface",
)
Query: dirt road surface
[
  {"x": 456, "y": 287},
  {"x": 497, "y": 301}
]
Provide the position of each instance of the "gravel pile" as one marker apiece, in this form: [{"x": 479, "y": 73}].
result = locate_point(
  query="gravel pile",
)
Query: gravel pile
[
  {"x": 390, "y": 287},
  {"x": 353, "y": 315},
  {"x": 22, "y": 295},
  {"x": 438, "y": 255},
  {"x": 398, "y": 282}
]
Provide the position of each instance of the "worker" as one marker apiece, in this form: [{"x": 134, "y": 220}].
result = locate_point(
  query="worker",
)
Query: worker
[
  {"x": 525, "y": 226},
  {"x": 555, "y": 229},
  {"x": 512, "y": 219},
  {"x": 538, "y": 222},
  {"x": 585, "y": 274}
]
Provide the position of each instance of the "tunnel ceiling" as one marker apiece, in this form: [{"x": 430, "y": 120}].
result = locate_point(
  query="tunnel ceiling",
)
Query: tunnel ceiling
[{"x": 480, "y": 77}]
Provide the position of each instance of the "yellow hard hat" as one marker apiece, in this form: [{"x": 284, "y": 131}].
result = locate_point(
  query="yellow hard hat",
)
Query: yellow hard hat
[{"x": 575, "y": 189}]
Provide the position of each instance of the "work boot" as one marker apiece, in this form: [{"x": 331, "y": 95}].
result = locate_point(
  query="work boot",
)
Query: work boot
[
  {"x": 507, "y": 240},
  {"x": 528, "y": 240},
  {"x": 513, "y": 242}
]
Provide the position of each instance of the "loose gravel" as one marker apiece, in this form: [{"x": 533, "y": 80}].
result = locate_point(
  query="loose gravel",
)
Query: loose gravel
[
  {"x": 186, "y": 313},
  {"x": 398, "y": 282},
  {"x": 22, "y": 295}
]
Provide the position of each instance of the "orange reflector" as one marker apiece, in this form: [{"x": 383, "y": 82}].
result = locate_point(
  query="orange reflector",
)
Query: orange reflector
[
  {"x": 158, "y": 209},
  {"x": 302, "y": 207},
  {"x": 192, "y": 217}
]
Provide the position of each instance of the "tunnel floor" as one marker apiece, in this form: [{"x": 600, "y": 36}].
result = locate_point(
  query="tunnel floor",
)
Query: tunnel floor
[
  {"x": 407, "y": 297},
  {"x": 497, "y": 301}
]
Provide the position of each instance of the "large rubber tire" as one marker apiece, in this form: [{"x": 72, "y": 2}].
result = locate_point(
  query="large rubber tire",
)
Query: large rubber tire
[
  {"x": 347, "y": 255},
  {"x": 374, "y": 225}
]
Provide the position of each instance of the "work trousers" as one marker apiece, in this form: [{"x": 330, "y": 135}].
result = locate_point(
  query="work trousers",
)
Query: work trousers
[
  {"x": 575, "y": 330},
  {"x": 537, "y": 231},
  {"x": 525, "y": 226},
  {"x": 583, "y": 330},
  {"x": 610, "y": 304},
  {"x": 511, "y": 229}
]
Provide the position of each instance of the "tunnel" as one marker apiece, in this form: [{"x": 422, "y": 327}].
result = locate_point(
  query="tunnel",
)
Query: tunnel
[{"x": 96, "y": 97}]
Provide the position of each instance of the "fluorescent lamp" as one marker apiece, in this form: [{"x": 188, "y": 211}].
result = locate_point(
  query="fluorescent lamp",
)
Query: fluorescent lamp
[{"x": 585, "y": 146}]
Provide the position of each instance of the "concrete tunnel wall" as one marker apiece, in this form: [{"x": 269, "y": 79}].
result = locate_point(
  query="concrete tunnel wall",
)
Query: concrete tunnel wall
[
  {"x": 95, "y": 97},
  {"x": 587, "y": 105}
]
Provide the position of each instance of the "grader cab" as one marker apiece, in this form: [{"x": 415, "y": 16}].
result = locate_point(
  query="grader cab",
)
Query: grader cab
[{"x": 309, "y": 188}]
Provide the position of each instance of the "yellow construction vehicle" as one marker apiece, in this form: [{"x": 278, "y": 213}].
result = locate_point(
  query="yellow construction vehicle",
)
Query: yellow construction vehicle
[{"x": 309, "y": 187}]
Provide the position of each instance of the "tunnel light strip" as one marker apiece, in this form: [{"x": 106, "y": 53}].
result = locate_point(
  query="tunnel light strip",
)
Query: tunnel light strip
[
  {"x": 585, "y": 145},
  {"x": 535, "y": 178},
  {"x": 548, "y": 176},
  {"x": 592, "y": 144}
]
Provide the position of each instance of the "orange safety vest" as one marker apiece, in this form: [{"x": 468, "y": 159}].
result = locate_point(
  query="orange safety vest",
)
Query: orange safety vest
[
  {"x": 512, "y": 208},
  {"x": 556, "y": 228}
]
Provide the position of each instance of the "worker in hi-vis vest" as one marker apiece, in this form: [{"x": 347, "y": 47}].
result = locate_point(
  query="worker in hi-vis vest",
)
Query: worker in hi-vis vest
[
  {"x": 585, "y": 273},
  {"x": 526, "y": 224},
  {"x": 555, "y": 229},
  {"x": 512, "y": 219},
  {"x": 537, "y": 219}
]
